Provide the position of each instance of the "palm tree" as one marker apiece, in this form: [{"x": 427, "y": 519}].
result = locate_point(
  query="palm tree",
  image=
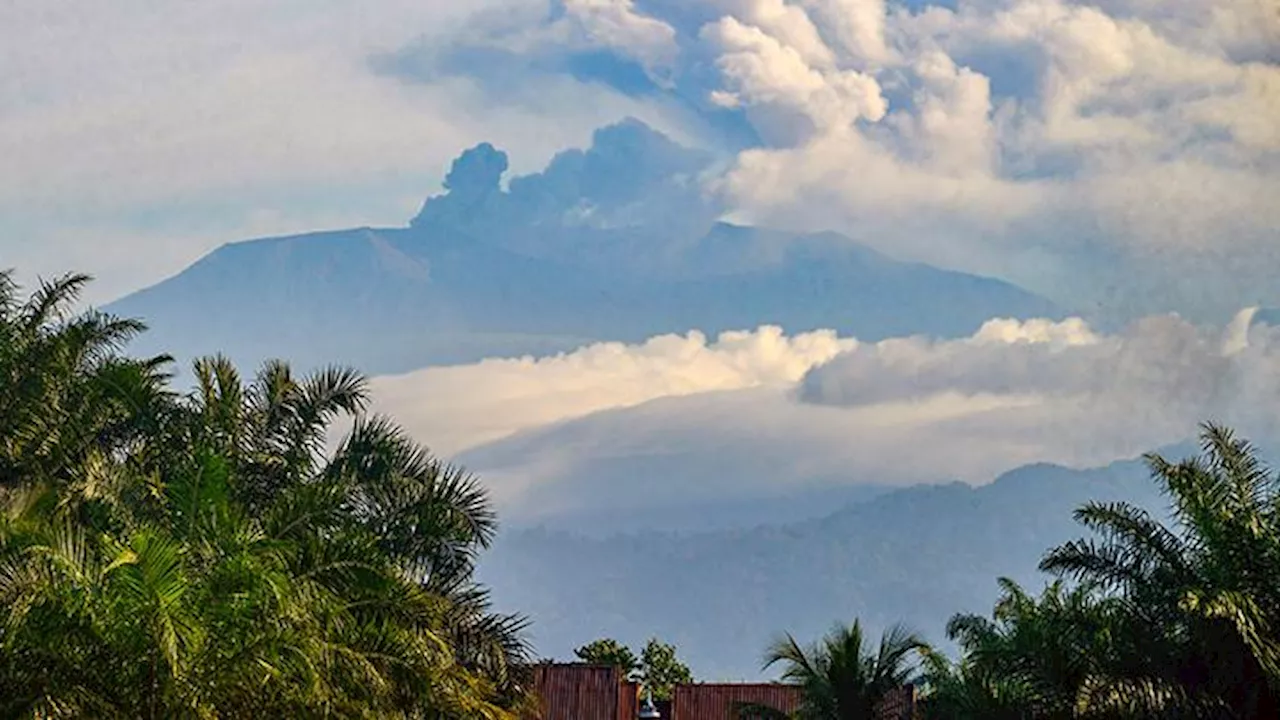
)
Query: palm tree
[
  {"x": 966, "y": 690},
  {"x": 430, "y": 519},
  {"x": 1072, "y": 652},
  {"x": 1203, "y": 593},
  {"x": 206, "y": 556},
  {"x": 841, "y": 677},
  {"x": 209, "y": 613},
  {"x": 66, "y": 389}
]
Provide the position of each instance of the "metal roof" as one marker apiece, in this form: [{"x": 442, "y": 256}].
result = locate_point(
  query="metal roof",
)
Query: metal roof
[
  {"x": 602, "y": 692},
  {"x": 719, "y": 701},
  {"x": 584, "y": 692}
]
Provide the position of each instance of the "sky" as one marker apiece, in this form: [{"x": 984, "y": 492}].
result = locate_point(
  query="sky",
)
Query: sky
[
  {"x": 138, "y": 135},
  {"x": 1120, "y": 153},
  {"x": 684, "y": 418},
  {"x": 1120, "y": 156}
]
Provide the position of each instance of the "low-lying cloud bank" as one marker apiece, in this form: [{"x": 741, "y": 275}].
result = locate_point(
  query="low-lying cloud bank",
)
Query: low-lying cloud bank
[
  {"x": 758, "y": 413},
  {"x": 457, "y": 408}
]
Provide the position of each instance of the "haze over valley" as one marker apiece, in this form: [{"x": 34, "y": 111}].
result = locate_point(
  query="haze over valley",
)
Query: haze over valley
[{"x": 748, "y": 315}]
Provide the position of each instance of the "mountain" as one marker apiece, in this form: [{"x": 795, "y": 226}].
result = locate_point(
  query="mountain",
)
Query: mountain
[
  {"x": 612, "y": 243},
  {"x": 915, "y": 555}
]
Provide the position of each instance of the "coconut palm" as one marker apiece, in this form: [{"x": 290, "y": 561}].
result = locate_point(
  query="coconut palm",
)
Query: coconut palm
[
  {"x": 1202, "y": 592},
  {"x": 842, "y": 677},
  {"x": 966, "y": 690},
  {"x": 1072, "y": 652},
  {"x": 66, "y": 389},
  {"x": 204, "y": 556}
]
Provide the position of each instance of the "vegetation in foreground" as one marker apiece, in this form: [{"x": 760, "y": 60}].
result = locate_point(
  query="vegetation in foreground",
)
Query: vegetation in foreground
[
  {"x": 657, "y": 669},
  {"x": 202, "y": 555},
  {"x": 211, "y": 555},
  {"x": 1145, "y": 619}
]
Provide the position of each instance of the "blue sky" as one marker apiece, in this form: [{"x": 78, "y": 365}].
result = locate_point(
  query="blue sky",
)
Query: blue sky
[
  {"x": 1122, "y": 156},
  {"x": 1123, "y": 152}
]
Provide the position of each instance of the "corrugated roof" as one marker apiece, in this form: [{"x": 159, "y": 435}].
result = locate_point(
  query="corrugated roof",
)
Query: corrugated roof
[
  {"x": 584, "y": 692},
  {"x": 718, "y": 702},
  {"x": 900, "y": 705},
  {"x": 601, "y": 692}
]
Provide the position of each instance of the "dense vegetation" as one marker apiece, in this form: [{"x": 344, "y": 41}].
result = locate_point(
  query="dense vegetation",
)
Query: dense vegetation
[
  {"x": 1145, "y": 620},
  {"x": 203, "y": 555},
  {"x": 1161, "y": 620},
  {"x": 658, "y": 669},
  {"x": 911, "y": 555},
  {"x": 224, "y": 553}
]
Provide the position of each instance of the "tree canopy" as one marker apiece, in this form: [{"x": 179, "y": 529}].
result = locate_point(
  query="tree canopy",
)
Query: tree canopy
[
  {"x": 843, "y": 676},
  {"x": 263, "y": 546},
  {"x": 207, "y": 555},
  {"x": 1148, "y": 619},
  {"x": 658, "y": 669}
]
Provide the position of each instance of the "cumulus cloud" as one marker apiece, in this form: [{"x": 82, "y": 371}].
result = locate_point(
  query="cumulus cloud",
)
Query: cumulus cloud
[
  {"x": 755, "y": 414},
  {"x": 1041, "y": 140},
  {"x": 150, "y": 126},
  {"x": 855, "y": 27},
  {"x": 1129, "y": 114},
  {"x": 1121, "y": 155},
  {"x": 1160, "y": 359},
  {"x": 615, "y": 25},
  {"x": 780, "y": 87},
  {"x": 790, "y": 24},
  {"x": 456, "y": 408}
]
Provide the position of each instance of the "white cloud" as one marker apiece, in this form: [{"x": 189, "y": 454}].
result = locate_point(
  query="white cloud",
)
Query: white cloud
[
  {"x": 456, "y": 408},
  {"x": 950, "y": 131},
  {"x": 781, "y": 88},
  {"x": 113, "y": 114},
  {"x": 1154, "y": 120},
  {"x": 789, "y": 23},
  {"x": 1160, "y": 359},
  {"x": 758, "y": 413},
  {"x": 615, "y": 24},
  {"x": 856, "y": 27}
]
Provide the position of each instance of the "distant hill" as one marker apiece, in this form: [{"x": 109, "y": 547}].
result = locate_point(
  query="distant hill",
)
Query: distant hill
[
  {"x": 612, "y": 243},
  {"x": 915, "y": 555}
]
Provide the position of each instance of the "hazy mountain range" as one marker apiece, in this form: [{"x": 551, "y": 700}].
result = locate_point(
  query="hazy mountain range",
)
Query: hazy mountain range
[
  {"x": 611, "y": 243},
  {"x": 617, "y": 243},
  {"x": 914, "y": 555}
]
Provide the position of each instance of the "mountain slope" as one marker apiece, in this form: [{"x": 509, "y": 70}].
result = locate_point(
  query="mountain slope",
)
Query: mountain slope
[
  {"x": 916, "y": 555},
  {"x": 391, "y": 300},
  {"x": 612, "y": 243}
]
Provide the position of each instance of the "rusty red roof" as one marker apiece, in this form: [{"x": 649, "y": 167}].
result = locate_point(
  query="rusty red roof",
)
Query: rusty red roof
[
  {"x": 718, "y": 701},
  {"x": 601, "y": 692},
  {"x": 584, "y": 692},
  {"x": 900, "y": 705}
]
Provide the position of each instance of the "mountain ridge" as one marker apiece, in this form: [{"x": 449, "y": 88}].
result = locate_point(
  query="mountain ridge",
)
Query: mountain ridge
[
  {"x": 612, "y": 243},
  {"x": 913, "y": 555},
  {"x": 273, "y": 297}
]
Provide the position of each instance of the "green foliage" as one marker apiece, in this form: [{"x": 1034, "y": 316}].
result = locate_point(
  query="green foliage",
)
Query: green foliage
[
  {"x": 844, "y": 677},
  {"x": 757, "y": 711},
  {"x": 658, "y": 669},
  {"x": 607, "y": 651},
  {"x": 661, "y": 670},
  {"x": 956, "y": 691},
  {"x": 1177, "y": 620},
  {"x": 203, "y": 556}
]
